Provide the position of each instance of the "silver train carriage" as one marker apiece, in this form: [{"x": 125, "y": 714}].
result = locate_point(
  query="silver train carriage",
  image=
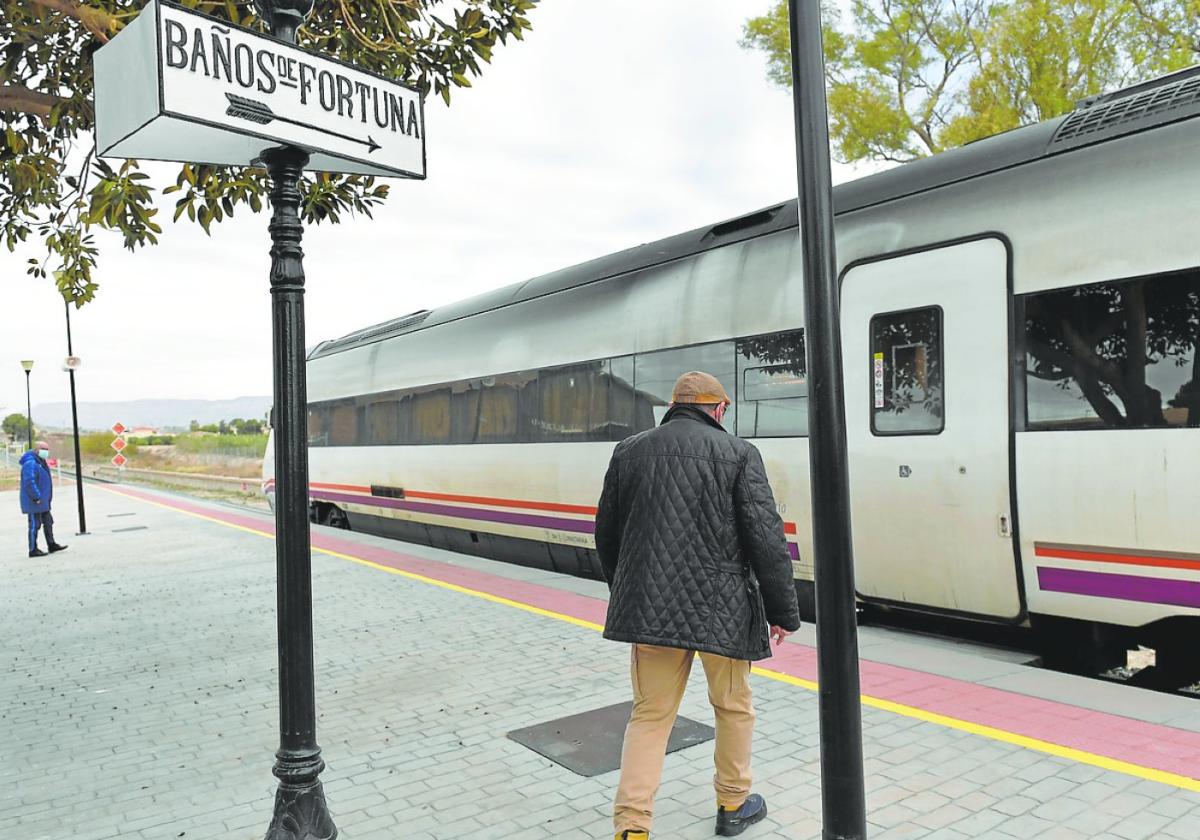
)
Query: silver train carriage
[{"x": 1019, "y": 326}]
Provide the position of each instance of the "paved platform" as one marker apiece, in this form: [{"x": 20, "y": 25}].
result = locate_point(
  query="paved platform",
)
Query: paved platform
[{"x": 138, "y": 700}]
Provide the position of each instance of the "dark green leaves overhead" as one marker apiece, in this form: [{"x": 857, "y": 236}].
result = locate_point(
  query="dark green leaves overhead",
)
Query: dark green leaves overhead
[
  {"x": 909, "y": 78},
  {"x": 52, "y": 187}
]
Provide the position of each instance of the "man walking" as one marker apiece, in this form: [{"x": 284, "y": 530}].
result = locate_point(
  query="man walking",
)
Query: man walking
[
  {"x": 696, "y": 561},
  {"x": 37, "y": 489}
]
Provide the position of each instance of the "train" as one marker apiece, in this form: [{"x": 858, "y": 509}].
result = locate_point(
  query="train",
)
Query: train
[{"x": 1019, "y": 325}]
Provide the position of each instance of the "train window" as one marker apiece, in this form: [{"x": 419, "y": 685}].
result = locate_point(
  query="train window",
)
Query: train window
[
  {"x": 343, "y": 423},
  {"x": 573, "y": 403},
  {"x": 654, "y": 376},
  {"x": 772, "y": 395},
  {"x": 464, "y": 411},
  {"x": 430, "y": 413},
  {"x": 1120, "y": 355},
  {"x": 318, "y": 425},
  {"x": 382, "y": 421},
  {"x": 907, "y": 397},
  {"x": 500, "y": 408},
  {"x": 621, "y": 399}
]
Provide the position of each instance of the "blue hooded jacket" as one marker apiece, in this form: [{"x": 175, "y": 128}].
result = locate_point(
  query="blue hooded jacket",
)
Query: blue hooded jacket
[{"x": 36, "y": 485}]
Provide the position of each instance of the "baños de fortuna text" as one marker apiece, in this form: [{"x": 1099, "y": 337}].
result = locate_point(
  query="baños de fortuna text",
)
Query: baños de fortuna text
[
  {"x": 209, "y": 52},
  {"x": 202, "y": 90}
]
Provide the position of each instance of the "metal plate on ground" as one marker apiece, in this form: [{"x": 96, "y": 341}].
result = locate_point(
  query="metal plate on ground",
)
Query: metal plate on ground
[
  {"x": 590, "y": 743},
  {"x": 133, "y": 528}
]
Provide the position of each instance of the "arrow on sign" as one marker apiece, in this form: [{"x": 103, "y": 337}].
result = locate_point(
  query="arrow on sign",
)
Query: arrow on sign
[{"x": 261, "y": 113}]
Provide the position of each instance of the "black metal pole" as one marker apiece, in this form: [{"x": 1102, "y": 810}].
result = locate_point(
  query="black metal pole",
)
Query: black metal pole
[
  {"x": 300, "y": 809},
  {"x": 28, "y": 411},
  {"x": 842, "y": 788},
  {"x": 75, "y": 425}
]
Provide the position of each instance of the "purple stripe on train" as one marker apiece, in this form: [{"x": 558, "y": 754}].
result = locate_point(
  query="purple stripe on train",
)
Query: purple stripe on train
[
  {"x": 582, "y": 526},
  {"x": 554, "y": 523},
  {"x": 1152, "y": 590}
]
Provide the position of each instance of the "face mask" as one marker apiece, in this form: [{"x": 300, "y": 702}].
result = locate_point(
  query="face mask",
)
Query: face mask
[{"x": 43, "y": 454}]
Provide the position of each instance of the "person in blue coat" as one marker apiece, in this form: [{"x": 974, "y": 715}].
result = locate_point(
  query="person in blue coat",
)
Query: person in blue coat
[{"x": 37, "y": 491}]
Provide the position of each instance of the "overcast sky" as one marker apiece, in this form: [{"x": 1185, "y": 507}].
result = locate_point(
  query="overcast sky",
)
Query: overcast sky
[{"x": 615, "y": 122}]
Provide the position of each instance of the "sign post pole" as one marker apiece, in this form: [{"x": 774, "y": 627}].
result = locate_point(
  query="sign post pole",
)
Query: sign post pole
[
  {"x": 843, "y": 797},
  {"x": 300, "y": 809},
  {"x": 75, "y": 425}
]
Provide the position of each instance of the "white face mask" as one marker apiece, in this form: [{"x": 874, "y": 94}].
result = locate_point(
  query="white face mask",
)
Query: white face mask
[{"x": 43, "y": 454}]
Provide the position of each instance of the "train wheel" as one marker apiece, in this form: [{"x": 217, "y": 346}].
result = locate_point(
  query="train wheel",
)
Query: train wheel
[
  {"x": 1080, "y": 647},
  {"x": 337, "y": 518}
]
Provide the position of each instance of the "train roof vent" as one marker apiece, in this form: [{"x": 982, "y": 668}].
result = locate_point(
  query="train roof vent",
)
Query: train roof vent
[
  {"x": 1143, "y": 107},
  {"x": 375, "y": 333},
  {"x": 751, "y": 220}
]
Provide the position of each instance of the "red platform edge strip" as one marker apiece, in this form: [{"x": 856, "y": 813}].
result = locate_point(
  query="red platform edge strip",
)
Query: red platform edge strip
[{"x": 1151, "y": 745}]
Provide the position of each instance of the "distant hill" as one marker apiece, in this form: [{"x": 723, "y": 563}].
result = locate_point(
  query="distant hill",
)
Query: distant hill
[{"x": 157, "y": 413}]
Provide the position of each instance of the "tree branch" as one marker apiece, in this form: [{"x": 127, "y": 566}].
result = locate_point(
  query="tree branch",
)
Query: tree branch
[
  {"x": 17, "y": 98},
  {"x": 94, "y": 20}
]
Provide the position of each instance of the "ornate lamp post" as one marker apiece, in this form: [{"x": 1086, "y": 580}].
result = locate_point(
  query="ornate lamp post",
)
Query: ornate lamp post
[
  {"x": 300, "y": 809},
  {"x": 28, "y": 366}
]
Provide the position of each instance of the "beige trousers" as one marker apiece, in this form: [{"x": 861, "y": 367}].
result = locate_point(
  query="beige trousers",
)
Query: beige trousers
[{"x": 660, "y": 676}]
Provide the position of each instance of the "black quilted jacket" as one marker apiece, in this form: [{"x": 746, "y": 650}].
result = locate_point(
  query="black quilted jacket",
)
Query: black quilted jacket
[{"x": 686, "y": 513}]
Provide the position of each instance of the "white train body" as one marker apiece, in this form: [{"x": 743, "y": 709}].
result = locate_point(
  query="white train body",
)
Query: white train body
[{"x": 999, "y": 470}]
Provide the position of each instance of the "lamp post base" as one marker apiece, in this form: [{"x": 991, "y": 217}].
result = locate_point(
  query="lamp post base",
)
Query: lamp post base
[{"x": 301, "y": 814}]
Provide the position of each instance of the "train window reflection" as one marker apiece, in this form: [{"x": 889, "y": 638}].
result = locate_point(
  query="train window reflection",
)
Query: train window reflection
[
  {"x": 773, "y": 394},
  {"x": 654, "y": 378},
  {"x": 906, "y": 372},
  {"x": 1120, "y": 355}
]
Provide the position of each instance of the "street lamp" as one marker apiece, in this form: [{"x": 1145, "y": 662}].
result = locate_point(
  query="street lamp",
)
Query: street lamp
[{"x": 27, "y": 364}]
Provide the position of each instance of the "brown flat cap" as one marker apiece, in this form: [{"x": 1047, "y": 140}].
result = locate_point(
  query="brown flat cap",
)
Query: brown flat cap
[{"x": 698, "y": 387}]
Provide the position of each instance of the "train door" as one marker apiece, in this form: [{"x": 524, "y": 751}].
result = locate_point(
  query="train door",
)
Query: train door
[{"x": 925, "y": 338}]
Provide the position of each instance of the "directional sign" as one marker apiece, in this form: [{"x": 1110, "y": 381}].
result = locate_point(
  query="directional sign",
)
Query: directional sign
[
  {"x": 119, "y": 460},
  {"x": 118, "y": 444},
  {"x": 179, "y": 85},
  {"x": 118, "y": 429}
]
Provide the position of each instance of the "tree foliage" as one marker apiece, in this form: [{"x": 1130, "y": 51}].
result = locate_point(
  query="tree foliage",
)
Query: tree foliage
[
  {"x": 53, "y": 187},
  {"x": 16, "y": 426},
  {"x": 909, "y": 78}
]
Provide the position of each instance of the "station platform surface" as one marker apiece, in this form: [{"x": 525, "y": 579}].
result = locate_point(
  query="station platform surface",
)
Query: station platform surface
[{"x": 138, "y": 699}]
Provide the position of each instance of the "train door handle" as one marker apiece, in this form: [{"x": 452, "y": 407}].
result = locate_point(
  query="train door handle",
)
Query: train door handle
[{"x": 1005, "y": 526}]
